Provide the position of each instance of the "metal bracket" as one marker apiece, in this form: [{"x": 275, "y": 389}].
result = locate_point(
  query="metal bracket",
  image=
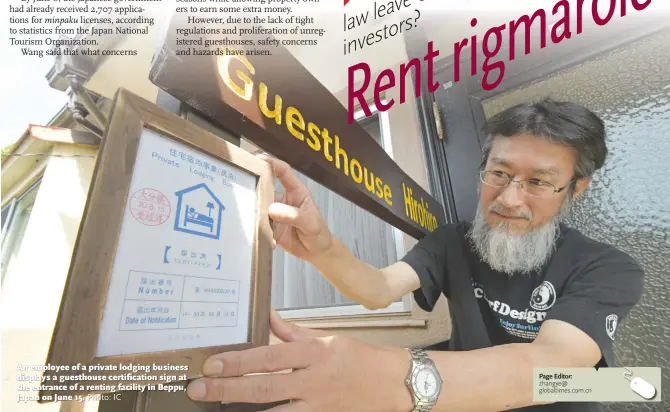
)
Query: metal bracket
[
  {"x": 74, "y": 71},
  {"x": 79, "y": 98},
  {"x": 438, "y": 120}
]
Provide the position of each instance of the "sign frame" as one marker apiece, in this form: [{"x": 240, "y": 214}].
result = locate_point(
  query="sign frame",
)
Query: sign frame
[{"x": 75, "y": 336}]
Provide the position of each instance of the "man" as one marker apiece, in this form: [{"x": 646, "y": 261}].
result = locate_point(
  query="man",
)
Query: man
[{"x": 524, "y": 290}]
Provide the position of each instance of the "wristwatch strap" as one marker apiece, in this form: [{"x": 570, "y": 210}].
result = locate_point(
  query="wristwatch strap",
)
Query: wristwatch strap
[
  {"x": 422, "y": 408},
  {"x": 420, "y": 356}
]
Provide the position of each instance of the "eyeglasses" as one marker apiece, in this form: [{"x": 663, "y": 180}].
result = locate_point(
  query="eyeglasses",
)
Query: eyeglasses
[{"x": 531, "y": 187}]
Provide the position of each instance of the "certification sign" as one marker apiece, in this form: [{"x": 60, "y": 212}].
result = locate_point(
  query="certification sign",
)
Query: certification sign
[{"x": 182, "y": 273}]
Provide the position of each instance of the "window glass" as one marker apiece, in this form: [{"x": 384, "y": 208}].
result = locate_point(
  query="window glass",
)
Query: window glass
[
  {"x": 16, "y": 228},
  {"x": 296, "y": 284}
]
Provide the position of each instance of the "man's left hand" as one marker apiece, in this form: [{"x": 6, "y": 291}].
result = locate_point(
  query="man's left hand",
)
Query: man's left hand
[{"x": 317, "y": 372}]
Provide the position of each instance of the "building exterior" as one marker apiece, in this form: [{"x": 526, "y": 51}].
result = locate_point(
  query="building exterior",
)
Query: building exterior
[
  {"x": 46, "y": 195},
  {"x": 434, "y": 138}
]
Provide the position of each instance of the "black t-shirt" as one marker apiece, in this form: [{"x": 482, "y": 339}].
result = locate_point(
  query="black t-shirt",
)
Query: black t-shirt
[{"x": 586, "y": 283}]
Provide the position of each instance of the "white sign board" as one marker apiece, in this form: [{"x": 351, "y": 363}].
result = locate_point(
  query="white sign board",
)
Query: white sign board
[{"x": 182, "y": 272}]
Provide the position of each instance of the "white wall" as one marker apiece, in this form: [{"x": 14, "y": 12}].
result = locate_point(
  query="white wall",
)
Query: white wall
[{"x": 32, "y": 289}]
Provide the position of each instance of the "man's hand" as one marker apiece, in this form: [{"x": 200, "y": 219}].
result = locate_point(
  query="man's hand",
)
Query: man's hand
[
  {"x": 329, "y": 373},
  {"x": 298, "y": 226}
]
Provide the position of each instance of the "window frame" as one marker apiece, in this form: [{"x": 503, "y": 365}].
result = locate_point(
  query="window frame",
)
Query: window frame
[
  {"x": 9, "y": 225},
  {"x": 6, "y": 224},
  {"x": 403, "y": 306}
]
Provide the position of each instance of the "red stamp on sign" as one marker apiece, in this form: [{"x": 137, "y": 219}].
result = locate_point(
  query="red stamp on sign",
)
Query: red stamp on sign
[{"x": 150, "y": 207}]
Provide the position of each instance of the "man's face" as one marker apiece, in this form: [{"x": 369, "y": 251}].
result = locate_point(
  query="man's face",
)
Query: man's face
[
  {"x": 513, "y": 231},
  {"x": 526, "y": 158}
]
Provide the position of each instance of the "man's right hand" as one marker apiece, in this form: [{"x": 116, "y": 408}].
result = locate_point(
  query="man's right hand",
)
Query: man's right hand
[
  {"x": 299, "y": 229},
  {"x": 297, "y": 224}
]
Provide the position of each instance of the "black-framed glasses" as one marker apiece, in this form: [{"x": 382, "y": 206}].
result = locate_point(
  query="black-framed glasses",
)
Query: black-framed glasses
[{"x": 531, "y": 187}]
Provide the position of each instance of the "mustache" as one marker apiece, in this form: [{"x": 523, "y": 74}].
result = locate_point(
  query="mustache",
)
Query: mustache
[{"x": 498, "y": 208}]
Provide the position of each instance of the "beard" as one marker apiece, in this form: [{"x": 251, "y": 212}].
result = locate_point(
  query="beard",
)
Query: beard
[{"x": 515, "y": 254}]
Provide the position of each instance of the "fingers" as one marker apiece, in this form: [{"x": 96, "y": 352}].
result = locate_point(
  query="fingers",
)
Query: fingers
[
  {"x": 282, "y": 213},
  {"x": 279, "y": 198},
  {"x": 249, "y": 389},
  {"x": 287, "y": 178},
  {"x": 294, "y": 406},
  {"x": 264, "y": 359},
  {"x": 307, "y": 219},
  {"x": 289, "y": 332}
]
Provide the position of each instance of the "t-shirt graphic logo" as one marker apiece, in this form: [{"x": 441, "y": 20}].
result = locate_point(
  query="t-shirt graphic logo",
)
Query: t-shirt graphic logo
[
  {"x": 543, "y": 297},
  {"x": 610, "y": 325}
]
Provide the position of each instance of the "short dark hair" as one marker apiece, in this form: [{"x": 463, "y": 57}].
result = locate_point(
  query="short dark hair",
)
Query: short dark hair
[{"x": 563, "y": 122}]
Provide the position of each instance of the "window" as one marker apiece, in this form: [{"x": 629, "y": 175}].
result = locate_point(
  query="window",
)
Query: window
[
  {"x": 15, "y": 218},
  {"x": 626, "y": 204},
  {"x": 298, "y": 289}
]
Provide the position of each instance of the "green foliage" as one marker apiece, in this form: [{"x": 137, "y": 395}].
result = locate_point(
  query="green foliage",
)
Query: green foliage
[{"x": 6, "y": 150}]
